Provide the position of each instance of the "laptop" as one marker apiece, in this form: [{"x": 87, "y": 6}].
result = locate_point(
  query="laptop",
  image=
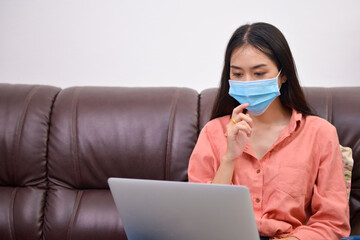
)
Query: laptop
[{"x": 169, "y": 210}]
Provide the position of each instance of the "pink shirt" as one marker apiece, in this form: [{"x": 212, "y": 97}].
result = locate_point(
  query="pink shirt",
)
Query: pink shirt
[{"x": 297, "y": 188}]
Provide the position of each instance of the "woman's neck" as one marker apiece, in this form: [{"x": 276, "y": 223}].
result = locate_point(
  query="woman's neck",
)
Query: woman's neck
[{"x": 275, "y": 114}]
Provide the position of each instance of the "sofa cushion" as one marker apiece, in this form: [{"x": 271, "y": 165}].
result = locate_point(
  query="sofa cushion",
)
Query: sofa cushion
[
  {"x": 348, "y": 161},
  {"x": 102, "y": 132}
]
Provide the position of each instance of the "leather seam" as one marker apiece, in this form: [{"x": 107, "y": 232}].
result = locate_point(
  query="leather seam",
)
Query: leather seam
[
  {"x": 11, "y": 214},
  {"x": 74, "y": 213},
  {"x": 74, "y": 131},
  {"x": 19, "y": 131},
  {"x": 199, "y": 101},
  {"x": 47, "y": 166},
  {"x": 170, "y": 134},
  {"x": 327, "y": 104},
  {"x": 330, "y": 106}
]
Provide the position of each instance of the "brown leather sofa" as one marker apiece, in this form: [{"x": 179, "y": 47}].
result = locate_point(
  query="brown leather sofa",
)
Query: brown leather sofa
[{"x": 59, "y": 146}]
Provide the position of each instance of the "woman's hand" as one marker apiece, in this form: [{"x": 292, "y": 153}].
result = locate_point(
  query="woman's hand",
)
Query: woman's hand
[{"x": 238, "y": 131}]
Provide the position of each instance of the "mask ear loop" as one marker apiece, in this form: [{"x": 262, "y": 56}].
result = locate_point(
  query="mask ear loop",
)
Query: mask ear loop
[{"x": 277, "y": 77}]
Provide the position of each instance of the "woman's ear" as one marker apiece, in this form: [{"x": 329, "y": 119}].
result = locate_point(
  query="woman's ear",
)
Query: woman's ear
[{"x": 283, "y": 78}]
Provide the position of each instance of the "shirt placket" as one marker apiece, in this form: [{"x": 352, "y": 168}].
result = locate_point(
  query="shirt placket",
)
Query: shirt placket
[
  {"x": 257, "y": 183},
  {"x": 257, "y": 186}
]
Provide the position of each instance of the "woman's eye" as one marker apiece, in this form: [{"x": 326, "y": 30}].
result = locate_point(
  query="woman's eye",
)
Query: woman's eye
[
  {"x": 237, "y": 74},
  {"x": 259, "y": 73}
]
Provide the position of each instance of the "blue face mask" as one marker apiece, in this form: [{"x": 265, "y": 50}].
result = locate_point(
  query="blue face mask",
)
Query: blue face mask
[{"x": 259, "y": 94}]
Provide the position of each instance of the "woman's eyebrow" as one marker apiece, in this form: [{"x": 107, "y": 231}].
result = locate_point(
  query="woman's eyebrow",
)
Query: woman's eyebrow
[
  {"x": 254, "y": 67},
  {"x": 236, "y": 67},
  {"x": 259, "y": 66}
]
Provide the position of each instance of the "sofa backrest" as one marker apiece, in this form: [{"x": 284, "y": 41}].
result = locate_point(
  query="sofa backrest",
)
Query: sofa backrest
[
  {"x": 24, "y": 125},
  {"x": 58, "y": 147},
  {"x": 102, "y": 132}
]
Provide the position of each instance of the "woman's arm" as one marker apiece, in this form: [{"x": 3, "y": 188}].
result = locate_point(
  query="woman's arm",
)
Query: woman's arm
[
  {"x": 238, "y": 131},
  {"x": 225, "y": 172}
]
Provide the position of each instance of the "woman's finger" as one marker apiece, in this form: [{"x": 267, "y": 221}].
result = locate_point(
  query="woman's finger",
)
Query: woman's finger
[
  {"x": 240, "y": 108},
  {"x": 243, "y": 117},
  {"x": 242, "y": 127}
]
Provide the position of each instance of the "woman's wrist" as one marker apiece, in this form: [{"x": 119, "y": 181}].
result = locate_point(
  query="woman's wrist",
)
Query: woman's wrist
[
  {"x": 228, "y": 159},
  {"x": 225, "y": 171}
]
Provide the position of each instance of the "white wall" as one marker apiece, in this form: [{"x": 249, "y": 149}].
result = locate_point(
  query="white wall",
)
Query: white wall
[{"x": 168, "y": 43}]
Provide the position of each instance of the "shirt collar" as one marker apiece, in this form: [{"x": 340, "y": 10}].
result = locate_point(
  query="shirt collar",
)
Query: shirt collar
[
  {"x": 295, "y": 121},
  {"x": 294, "y": 124}
]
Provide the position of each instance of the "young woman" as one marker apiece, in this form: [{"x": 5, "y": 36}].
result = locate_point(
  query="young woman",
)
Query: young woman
[{"x": 264, "y": 135}]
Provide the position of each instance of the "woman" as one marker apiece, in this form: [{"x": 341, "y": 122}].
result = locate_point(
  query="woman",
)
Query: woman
[{"x": 264, "y": 135}]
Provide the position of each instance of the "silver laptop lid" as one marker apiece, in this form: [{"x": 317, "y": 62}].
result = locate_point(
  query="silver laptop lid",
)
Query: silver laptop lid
[{"x": 169, "y": 210}]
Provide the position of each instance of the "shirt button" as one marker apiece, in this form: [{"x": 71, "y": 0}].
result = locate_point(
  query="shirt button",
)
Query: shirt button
[
  {"x": 257, "y": 200},
  {"x": 258, "y": 171}
]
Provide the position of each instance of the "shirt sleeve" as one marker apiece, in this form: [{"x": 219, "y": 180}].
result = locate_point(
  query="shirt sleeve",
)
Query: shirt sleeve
[
  {"x": 203, "y": 160},
  {"x": 329, "y": 206}
]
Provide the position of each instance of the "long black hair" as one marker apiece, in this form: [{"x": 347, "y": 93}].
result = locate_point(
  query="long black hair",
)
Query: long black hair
[{"x": 269, "y": 40}]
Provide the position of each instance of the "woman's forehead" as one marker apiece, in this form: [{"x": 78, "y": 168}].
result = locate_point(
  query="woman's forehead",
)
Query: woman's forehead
[{"x": 248, "y": 56}]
